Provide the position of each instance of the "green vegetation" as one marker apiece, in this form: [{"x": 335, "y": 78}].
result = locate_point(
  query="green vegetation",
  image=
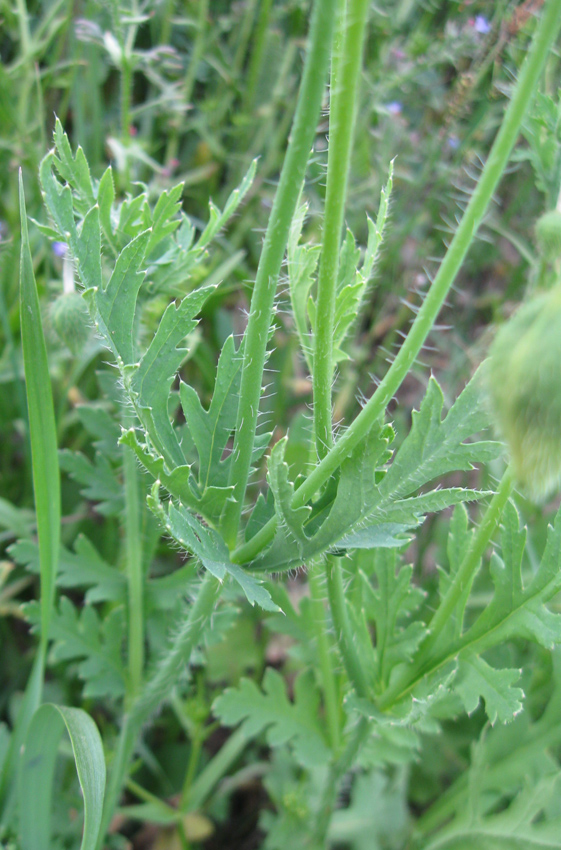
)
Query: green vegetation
[{"x": 266, "y": 560}]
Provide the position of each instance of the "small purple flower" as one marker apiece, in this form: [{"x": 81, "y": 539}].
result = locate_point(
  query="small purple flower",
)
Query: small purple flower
[
  {"x": 453, "y": 142},
  {"x": 481, "y": 25},
  {"x": 60, "y": 249},
  {"x": 394, "y": 108}
]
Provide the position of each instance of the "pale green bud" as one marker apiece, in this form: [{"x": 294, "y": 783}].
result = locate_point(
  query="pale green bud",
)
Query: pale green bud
[
  {"x": 525, "y": 389},
  {"x": 548, "y": 235},
  {"x": 70, "y": 320}
]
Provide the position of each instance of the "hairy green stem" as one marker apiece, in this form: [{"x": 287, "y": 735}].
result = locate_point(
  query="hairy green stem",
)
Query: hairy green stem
[
  {"x": 345, "y": 75},
  {"x": 338, "y": 604},
  {"x": 373, "y": 411},
  {"x": 324, "y": 648},
  {"x": 135, "y": 577},
  {"x": 157, "y": 689},
  {"x": 274, "y": 246},
  {"x": 246, "y": 552}
]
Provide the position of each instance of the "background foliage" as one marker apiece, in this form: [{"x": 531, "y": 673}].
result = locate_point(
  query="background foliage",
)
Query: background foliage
[{"x": 191, "y": 104}]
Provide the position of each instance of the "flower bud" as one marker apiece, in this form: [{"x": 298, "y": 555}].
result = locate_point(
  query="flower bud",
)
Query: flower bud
[
  {"x": 70, "y": 319},
  {"x": 525, "y": 388},
  {"x": 548, "y": 235}
]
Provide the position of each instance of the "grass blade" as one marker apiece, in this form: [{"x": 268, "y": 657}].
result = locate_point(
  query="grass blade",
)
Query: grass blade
[
  {"x": 46, "y": 486},
  {"x": 42, "y": 427},
  {"x": 37, "y": 773}
]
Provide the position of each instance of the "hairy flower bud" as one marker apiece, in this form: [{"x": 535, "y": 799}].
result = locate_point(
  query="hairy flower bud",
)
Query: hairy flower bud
[
  {"x": 548, "y": 235},
  {"x": 525, "y": 389},
  {"x": 70, "y": 319}
]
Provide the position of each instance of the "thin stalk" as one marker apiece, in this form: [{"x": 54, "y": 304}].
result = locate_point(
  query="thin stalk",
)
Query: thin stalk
[
  {"x": 197, "y": 741},
  {"x": 338, "y": 604},
  {"x": 135, "y": 576},
  {"x": 345, "y": 76},
  {"x": 147, "y": 797},
  {"x": 215, "y": 770},
  {"x": 274, "y": 246},
  {"x": 544, "y": 36},
  {"x": 248, "y": 551},
  {"x": 325, "y": 655},
  {"x": 156, "y": 690}
]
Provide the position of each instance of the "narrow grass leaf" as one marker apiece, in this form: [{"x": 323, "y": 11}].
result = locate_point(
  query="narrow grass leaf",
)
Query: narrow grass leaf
[
  {"x": 37, "y": 774},
  {"x": 46, "y": 485},
  {"x": 42, "y": 427}
]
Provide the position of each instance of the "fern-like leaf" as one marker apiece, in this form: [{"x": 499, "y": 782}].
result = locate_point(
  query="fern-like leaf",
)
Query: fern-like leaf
[
  {"x": 270, "y": 710},
  {"x": 207, "y": 545},
  {"x": 94, "y": 643}
]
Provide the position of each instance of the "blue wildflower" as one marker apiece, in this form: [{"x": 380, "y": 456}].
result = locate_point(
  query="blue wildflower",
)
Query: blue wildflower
[
  {"x": 60, "y": 249},
  {"x": 394, "y": 108},
  {"x": 481, "y": 25}
]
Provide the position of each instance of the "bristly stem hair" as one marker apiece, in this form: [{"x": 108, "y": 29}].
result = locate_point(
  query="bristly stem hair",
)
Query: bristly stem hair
[
  {"x": 345, "y": 75},
  {"x": 274, "y": 245}
]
